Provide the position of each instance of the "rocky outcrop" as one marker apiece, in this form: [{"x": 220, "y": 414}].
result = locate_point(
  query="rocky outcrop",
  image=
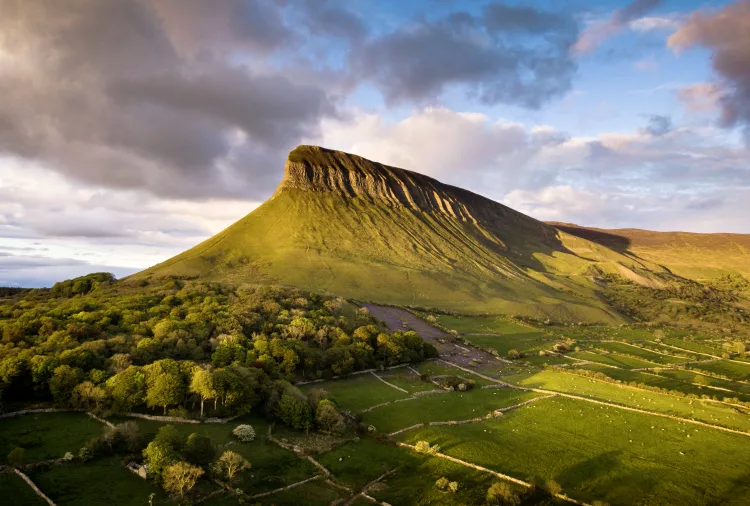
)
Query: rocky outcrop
[{"x": 313, "y": 168}]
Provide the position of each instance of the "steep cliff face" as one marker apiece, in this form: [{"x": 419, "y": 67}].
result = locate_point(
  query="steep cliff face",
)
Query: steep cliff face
[{"x": 317, "y": 169}]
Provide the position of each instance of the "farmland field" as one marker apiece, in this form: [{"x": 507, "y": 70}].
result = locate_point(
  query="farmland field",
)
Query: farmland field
[
  {"x": 358, "y": 392},
  {"x": 642, "y": 353},
  {"x": 615, "y": 360},
  {"x": 596, "y": 452},
  {"x": 731, "y": 369}
]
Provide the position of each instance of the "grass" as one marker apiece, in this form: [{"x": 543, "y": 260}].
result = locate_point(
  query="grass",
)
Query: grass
[
  {"x": 642, "y": 353},
  {"x": 47, "y": 435},
  {"x": 603, "y": 453},
  {"x": 439, "y": 369},
  {"x": 730, "y": 369},
  {"x": 272, "y": 466},
  {"x": 709, "y": 412},
  {"x": 406, "y": 379},
  {"x": 615, "y": 360},
  {"x": 100, "y": 481},
  {"x": 16, "y": 492},
  {"x": 357, "y": 464},
  {"x": 358, "y": 392},
  {"x": 444, "y": 407}
]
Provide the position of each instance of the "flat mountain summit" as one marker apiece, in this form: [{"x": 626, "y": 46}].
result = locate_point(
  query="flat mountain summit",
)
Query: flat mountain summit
[{"x": 360, "y": 229}]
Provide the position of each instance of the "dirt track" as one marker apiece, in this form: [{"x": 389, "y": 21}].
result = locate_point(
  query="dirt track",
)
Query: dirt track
[{"x": 399, "y": 319}]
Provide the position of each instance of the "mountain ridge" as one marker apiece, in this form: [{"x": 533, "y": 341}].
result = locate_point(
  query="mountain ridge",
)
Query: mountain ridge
[{"x": 343, "y": 224}]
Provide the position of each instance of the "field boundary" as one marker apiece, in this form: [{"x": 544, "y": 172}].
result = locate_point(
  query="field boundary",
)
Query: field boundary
[
  {"x": 33, "y": 486},
  {"x": 490, "y": 471},
  {"x": 390, "y": 384}
]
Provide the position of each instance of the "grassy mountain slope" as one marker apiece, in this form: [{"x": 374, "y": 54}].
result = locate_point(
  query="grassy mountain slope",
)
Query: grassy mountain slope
[
  {"x": 360, "y": 229},
  {"x": 700, "y": 257}
]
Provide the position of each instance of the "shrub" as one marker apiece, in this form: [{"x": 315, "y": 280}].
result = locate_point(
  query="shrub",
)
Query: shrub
[
  {"x": 329, "y": 418},
  {"x": 85, "y": 454},
  {"x": 442, "y": 483},
  {"x": 199, "y": 450},
  {"x": 68, "y": 456},
  {"x": 424, "y": 447},
  {"x": 17, "y": 456},
  {"x": 244, "y": 433},
  {"x": 514, "y": 354},
  {"x": 502, "y": 493},
  {"x": 552, "y": 487},
  {"x": 453, "y": 486}
]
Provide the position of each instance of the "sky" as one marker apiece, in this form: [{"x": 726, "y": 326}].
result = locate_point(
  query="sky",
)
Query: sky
[{"x": 131, "y": 130}]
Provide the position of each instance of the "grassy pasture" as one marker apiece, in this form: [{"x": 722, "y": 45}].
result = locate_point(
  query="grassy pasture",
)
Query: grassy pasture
[
  {"x": 603, "y": 453},
  {"x": 100, "y": 481},
  {"x": 682, "y": 382},
  {"x": 407, "y": 379},
  {"x": 314, "y": 493},
  {"x": 687, "y": 375},
  {"x": 488, "y": 325},
  {"x": 730, "y": 369},
  {"x": 615, "y": 360},
  {"x": 640, "y": 352},
  {"x": 435, "y": 368},
  {"x": 443, "y": 407},
  {"x": 47, "y": 435},
  {"x": 413, "y": 483},
  {"x": 709, "y": 412},
  {"x": 357, "y": 392},
  {"x": 520, "y": 342},
  {"x": 272, "y": 466},
  {"x": 15, "y": 492}
]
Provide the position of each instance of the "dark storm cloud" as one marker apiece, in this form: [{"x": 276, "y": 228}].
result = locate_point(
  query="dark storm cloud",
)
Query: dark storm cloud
[
  {"x": 506, "y": 54},
  {"x": 726, "y": 34},
  {"x": 142, "y": 94}
]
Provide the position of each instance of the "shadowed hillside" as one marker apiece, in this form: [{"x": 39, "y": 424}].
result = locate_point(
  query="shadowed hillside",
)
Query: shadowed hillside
[{"x": 360, "y": 229}]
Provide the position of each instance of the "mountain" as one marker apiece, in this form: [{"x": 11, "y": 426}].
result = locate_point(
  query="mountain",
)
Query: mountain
[{"x": 353, "y": 227}]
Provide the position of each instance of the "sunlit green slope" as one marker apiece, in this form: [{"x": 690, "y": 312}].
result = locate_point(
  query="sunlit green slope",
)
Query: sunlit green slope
[{"x": 359, "y": 229}]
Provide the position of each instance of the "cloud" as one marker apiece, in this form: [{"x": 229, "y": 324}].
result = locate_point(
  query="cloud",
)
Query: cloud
[
  {"x": 700, "y": 96},
  {"x": 652, "y": 24},
  {"x": 595, "y": 34},
  {"x": 726, "y": 34},
  {"x": 506, "y": 54},
  {"x": 658, "y": 125},
  {"x": 153, "y": 95},
  {"x": 661, "y": 168}
]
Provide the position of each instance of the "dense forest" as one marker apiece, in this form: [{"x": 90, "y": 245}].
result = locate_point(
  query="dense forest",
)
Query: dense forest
[{"x": 185, "y": 348}]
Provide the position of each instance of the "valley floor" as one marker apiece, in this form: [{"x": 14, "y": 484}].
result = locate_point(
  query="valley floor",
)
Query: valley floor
[{"x": 624, "y": 417}]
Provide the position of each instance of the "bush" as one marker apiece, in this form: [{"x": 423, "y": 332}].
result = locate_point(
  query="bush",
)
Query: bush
[
  {"x": 244, "y": 433},
  {"x": 453, "y": 486},
  {"x": 442, "y": 483},
  {"x": 16, "y": 457},
  {"x": 514, "y": 354},
  {"x": 424, "y": 447},
  {"x": 502, "y": 493},
  {"x": 85, "y": 454}
]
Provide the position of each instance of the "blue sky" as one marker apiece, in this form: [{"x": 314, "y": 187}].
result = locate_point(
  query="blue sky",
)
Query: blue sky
[{"x": 134, "y": 129}]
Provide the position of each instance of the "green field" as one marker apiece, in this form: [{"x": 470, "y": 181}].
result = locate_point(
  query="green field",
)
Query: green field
[
  {"x": 46, "y": 436},
  {"x": 687, "y": 375},
  {"x": 596, "y": 452},
  {"x": 100, "y": 481},
  {"x": 357, "y": 392},
  {"x": 730, "y": 369},
  {"x": 615, "y": 360},
  {"x": 16, "y": 492},
  {"x": 407, "y": 379},
  {"x": 436, "y": 368},
  {"x": 640, "y": 352},
  {"x": 443, "y": 407},
  {"x": 709, "y": 412},
  {"x": 414, "y": 479}
]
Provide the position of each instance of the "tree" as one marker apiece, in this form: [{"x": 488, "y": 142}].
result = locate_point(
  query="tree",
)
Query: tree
[
  {"x": 502, "y": 493},
  {"x": 295, "y": 412},
  {"x": 86, "y": 393},
  {"x": 158, "y": 457},
  {"x": 199, "y": 450},
  {"x": 127, "y": 388},
  {"x": 328, "y": 417},
  {"x": 63, "y": 381},
  {"x": 164, "y": 384},
  {"x": 17, "y": 457},
  {"x": 180, "y": 477},
  {"x": 514, "y": 354},
  {"x": 202, "y": 384},
  {"x": 229, "y": 464}
]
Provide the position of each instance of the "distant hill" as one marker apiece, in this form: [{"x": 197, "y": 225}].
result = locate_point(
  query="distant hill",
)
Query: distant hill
[
  {"x": 360, "y": 229},
  {"x": 701, "y": 257}
]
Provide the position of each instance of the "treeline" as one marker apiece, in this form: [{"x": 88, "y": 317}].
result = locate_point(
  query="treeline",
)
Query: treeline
[{"x": 183, "y": 346}]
